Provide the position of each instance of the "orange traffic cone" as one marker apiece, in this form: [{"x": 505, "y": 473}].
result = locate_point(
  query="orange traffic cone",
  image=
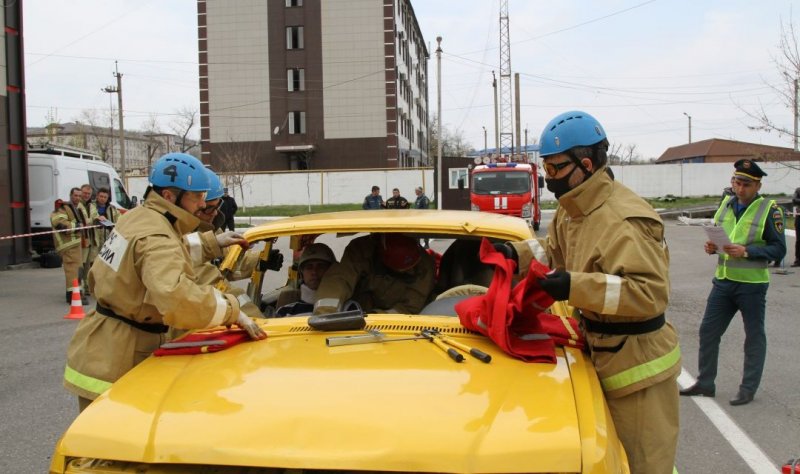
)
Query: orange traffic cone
[{"x": 75, "y": 306}]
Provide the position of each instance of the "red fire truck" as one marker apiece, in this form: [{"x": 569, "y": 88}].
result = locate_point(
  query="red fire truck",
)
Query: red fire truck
[{"x": 506, "y": 187}]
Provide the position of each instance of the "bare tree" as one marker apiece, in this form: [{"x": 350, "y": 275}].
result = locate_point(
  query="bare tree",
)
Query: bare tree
[
  {"x": 615, "y": 153},
  {"x": 99, "y": 131},
  {"x": 182, "y": 125},
  {"x": 151, "y": 129},
  {"x": 787, "y": 62},
  {"x": 453, "y": 142},
  {"x": 235, "y": 159}
]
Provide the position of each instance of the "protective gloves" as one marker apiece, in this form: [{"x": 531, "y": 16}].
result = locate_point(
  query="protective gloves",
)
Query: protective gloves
[
  {"x": 507, "y": 250},
  {"x": 274, "y": 262},
  {"x": 253, "y": 329},
  {"x": 556, "y": 284},
  {"x": 226, "y": 239},
  {"x": 246, "y": 322}
]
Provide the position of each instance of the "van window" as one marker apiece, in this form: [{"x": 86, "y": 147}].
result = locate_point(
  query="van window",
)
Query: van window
[
  {"x": 120, "y": 196},
  {"x": 41, "y": 183},
  {"x": 99, "y": 180}
]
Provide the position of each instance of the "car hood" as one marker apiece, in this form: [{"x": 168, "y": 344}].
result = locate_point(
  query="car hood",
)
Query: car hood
[{"x": 292, "y": 401}]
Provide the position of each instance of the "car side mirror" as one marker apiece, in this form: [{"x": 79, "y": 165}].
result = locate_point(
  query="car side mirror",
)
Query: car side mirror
[
  {"x": 134, "y": 202},
  {"x": 541, "y": 181}
]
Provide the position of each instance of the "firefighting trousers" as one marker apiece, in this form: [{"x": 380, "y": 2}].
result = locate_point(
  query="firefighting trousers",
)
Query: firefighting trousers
[
  {"x": 71, "y": 259},
  {"x": 647, "y": 424}
]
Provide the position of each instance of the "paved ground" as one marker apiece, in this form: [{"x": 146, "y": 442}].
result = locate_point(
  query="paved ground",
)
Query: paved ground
[{"x": 34, "y": 409}]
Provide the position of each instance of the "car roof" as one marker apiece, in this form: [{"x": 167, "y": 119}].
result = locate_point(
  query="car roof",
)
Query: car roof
[{"x": 464, "y": 223}]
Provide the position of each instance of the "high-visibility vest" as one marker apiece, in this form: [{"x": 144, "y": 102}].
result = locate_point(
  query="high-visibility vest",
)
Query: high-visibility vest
[{"x": 748, "y": 230}]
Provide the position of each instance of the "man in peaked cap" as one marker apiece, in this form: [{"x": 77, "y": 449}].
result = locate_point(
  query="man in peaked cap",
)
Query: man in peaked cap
[{"x": 754, "y": 226}]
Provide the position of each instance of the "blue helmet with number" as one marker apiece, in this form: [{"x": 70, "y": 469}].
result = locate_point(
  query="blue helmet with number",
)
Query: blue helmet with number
[
  {"x": 216, "y": 190},
  {"x": 568, "y": 130},
  {"x": 180, "y": 170}
]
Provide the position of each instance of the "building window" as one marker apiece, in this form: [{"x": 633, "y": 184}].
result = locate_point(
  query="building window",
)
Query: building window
[
  {"x": 294, "y": 37},
  {"x": 296, "y": 79},
  {"x": 456, "y": 174},
  {"x": 294, "y": 3},
  {"x": 297, "y": 123}
]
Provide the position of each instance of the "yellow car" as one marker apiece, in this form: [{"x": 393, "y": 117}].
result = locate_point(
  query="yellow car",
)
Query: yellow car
[{"x": 295, "y": 402}]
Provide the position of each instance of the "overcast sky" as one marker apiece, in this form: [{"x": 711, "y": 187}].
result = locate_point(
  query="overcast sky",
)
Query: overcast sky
[{"x": 636, "y": 65}]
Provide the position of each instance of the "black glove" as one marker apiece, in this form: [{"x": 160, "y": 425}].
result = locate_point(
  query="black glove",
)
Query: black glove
[
  {"x": 508, "y": 251},
  {"x": 275, "y": 261},
  {"x": 556, "y": 284},
  {"x": 60, "y": 226}
]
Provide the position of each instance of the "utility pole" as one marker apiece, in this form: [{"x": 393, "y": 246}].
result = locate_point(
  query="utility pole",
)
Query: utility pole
[
  {"x": 496, "y": 126},
  {"x": 118, "y": 90},
  {"x": 438, "y": 173},
  {"x": 690, "y": 126},
  {"x": 796, "y": 117},
  {"x": 485, "y": 144},
  {"x": 516, "y": 109},
  {"x": 527, "y": 157}
]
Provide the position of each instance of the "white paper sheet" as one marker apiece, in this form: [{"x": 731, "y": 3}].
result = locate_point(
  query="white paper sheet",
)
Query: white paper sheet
[{"x": 718, "y": 236}]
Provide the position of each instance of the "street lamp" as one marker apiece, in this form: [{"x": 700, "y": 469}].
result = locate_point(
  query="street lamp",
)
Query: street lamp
[
  {"x": 485, "y": 151},
  {"x": 690, "y": 126}
]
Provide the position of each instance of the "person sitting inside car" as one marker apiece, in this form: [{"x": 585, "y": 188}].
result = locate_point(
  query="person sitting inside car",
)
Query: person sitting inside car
[
  {"x": 314, "y": 262},
  {"x": 384, "y": 273}
]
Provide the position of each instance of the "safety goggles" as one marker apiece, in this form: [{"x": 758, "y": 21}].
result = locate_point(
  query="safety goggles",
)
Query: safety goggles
[
  {"x": 552, "y": 169},
  {"x": 208, "y": 210}
]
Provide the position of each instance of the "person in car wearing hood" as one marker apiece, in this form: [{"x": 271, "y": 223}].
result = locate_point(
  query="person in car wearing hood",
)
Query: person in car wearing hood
[
  {"x": 611, "y": 262},
  {"x": 144, "y": 281},
  {"x": 316, "y": 259}
]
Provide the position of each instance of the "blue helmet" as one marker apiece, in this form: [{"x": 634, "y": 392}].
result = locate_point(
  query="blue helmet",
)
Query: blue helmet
[
  {"x": 215, "y": 184},
  {"x": 568, "y": 130},
  {"x": 180, "y": 170}
]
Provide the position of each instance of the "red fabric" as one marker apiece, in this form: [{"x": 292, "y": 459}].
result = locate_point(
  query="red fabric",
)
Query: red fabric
[
  {"x": 514, "y": 318},
  {"x": 231, "y": 337},
  {"x": 437, "y": 259}
]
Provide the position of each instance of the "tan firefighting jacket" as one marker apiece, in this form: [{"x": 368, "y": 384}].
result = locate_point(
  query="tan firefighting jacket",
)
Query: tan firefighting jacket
[
  {"x": 360, "y": 277},
  {"x": 102, "y": 233},
  {"x": 612, "y": 243},
  {"x": 144, "y": 272},
  {"x": 89, "y": 213},
  {"x": 66, "y": 217}
]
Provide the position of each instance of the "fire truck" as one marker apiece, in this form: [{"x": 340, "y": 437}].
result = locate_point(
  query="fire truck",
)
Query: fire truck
[{"x": 506, "y": 186}]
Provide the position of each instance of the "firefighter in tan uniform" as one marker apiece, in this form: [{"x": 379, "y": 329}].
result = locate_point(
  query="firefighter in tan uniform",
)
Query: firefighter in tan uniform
[
  {"x": 611, "y": 262},
  {"x": 90, "y": 248},
  {"x": 144, "y": 281},
  {"x": 383, "y": 273},
  {"x": 208, "y": 272},
  {"x": 68, "y": 244}
]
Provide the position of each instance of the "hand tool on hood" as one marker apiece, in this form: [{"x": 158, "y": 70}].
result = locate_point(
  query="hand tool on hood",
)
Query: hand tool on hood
[
  {"x": 341, "y": 321},
  {"x": 440, "y": 340},
  {"x": 372, "y": 336},
  {"x": 179, "y": 344}
]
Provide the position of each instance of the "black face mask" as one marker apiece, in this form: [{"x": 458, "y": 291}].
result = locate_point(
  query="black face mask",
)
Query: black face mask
[{"x": 560, "y": 186}]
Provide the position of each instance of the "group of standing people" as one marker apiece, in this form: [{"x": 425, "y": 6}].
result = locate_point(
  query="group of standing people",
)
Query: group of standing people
[
  {"x": 374, "y": 200},
  {"x": 93, "y": 219}
]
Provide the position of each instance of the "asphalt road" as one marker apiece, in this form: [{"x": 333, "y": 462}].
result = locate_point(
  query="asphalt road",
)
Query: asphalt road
[{"x": 35, "y": 409}]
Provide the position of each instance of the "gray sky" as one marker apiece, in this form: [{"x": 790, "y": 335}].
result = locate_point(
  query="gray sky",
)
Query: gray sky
[{"x": 636, "y": 65}]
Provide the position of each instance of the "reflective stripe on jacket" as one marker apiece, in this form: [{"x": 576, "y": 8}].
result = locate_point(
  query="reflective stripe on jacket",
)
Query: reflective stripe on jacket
[
  {"x": 612, "y": 243},
  {"x": 748, "y": 230}
]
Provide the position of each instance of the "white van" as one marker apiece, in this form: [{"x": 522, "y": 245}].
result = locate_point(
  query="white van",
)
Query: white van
[{"x": 53, "y": 171}]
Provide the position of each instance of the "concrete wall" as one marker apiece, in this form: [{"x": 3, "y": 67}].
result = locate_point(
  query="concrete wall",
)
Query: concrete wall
[{"x": 339, "y": 187}]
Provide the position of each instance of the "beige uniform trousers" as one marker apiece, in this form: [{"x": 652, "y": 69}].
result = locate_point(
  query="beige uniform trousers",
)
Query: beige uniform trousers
[
  {"x": 650, "y": 445},
  {"x": 89, "y": 253},
  {"x": 71, "y": 259}
]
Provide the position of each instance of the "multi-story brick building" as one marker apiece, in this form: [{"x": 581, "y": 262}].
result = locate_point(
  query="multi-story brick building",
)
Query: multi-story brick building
[{"x": 312, "y": 84}]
